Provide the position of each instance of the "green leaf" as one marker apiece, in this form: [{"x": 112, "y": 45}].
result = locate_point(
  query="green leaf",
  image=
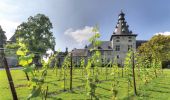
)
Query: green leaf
[
  {"x": 35, "y": 92},
  {"x": 21, "y": 53},
  {"x": 29, "y": 69},
  {"x": 23, "y": 62}
]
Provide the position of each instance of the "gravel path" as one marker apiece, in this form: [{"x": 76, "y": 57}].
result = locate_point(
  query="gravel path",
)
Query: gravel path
[{"x": 12, "y": 68}]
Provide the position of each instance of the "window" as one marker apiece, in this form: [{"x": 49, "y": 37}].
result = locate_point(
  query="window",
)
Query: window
[
  {"x": 129, "y": 47},
  {"x": 109, "y": 47},
  {"x": 117, "y": 48},
  {"x": 130, "y": 37},
  {"x": 99, "y": 47},
  {"x": 117, "y": 56},
  {"x": 130, "y": 40},
  {"x": 117, "y": 41}
]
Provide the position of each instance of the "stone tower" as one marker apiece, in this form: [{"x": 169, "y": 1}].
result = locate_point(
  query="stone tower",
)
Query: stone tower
[{"x": 122, "y": 39}]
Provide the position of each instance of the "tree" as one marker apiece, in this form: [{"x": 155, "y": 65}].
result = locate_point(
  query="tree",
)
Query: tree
[
  {"x": 157, "y": 47},
  {"x": 36, "y": 34},
  {"x": 4, "y": 63},
  {"x": 2, "y": 37},
  {"x": 2, "y": 42}
]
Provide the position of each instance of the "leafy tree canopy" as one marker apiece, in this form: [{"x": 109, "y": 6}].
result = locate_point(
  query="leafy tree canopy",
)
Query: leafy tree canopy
[
  {"x": 157, "y": 47},
  {"x": 2, "y": 37},
  {"x": 36, "y": 34}
]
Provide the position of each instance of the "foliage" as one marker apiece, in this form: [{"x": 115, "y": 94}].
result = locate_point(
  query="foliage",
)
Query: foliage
[
  {"x": 115, "y": 83},
  {"x": 66, "y": 64},
  {"x": 2, "y": 37},
  {"x": 36, "y": 34},
  {"x": 157, "y": 47},
  {"x": 128, "y": 70},
  {"x": 37, "y": 82},
  {"x": 93, "y": 63}
]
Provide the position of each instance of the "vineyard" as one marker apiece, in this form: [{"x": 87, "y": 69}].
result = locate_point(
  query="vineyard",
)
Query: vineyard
[
  {"x": 157, "y": 88},
  {"x": 140, "y": 76}
]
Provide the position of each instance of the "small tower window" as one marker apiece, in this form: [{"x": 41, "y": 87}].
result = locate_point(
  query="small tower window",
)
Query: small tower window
[
  {"x": 117, "y": 48},
  {"x": 130, "y": 40},
  {"x": 117, "y": 41}
]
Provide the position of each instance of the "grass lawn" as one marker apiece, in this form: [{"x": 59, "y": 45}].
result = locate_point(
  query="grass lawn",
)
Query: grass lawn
[{"x": 157, "y": 89}]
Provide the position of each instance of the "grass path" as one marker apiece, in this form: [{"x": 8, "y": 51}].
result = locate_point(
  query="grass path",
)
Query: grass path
[{"x": 157, "y": 89}]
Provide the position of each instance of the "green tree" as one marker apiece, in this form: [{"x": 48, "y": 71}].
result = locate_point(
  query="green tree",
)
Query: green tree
[
  {"x": 2, "y": 42},
  {"x": 2, "y": 38},
  {"x": 157, "y": 47},
  {"x": 36, "y": 34}
]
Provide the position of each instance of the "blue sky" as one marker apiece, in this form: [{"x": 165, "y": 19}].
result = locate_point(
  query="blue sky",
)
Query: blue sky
[{"x": 73, "y": 19}]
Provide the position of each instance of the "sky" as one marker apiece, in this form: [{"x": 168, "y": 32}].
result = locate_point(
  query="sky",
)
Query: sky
[{"x": 73, "y": 20}]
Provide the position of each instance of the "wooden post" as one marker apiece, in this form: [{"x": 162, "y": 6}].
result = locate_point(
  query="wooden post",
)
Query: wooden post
[
  {"x": 46, "y": 93},
  {"x": 134, "y": 81},
  {"x": 71, "y": 71},
  {"x": 10, "y": 80}
]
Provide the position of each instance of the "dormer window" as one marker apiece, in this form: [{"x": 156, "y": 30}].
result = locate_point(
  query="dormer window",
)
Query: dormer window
[
  {"x": 99, "y": 47},
  {"x": 109, "y": 47},
  {"x": 117, "y": 37}
]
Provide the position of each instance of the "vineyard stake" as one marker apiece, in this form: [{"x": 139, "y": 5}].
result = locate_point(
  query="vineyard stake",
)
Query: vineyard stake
[
  {"x": 71, "y": 70},
  {"x": 10, "y": 80},
  {"x": 134, "y": 81}
]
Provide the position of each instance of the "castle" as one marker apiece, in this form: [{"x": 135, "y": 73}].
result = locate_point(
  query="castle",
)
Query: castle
[{"x": 121, "y": 40}]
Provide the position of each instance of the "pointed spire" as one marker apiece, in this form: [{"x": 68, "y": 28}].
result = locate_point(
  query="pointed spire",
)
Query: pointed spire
[{"x": 122, "y": 27}]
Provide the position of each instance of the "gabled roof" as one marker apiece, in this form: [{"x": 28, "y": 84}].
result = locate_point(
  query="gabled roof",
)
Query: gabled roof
[
  {"x": 79, "y": 52},
  {"x": 140, "y": 42},
  {"x": 13, "y": 38},
  {"x": 105, "y": 45}
]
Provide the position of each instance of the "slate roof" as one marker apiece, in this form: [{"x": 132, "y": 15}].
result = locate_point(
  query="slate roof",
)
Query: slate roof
[
  {"x": 140, "y": 42},
  {"x": 105, "y": 45},
  {"x": 122, "y": 28},
  {"x": 79, "y": 52}
]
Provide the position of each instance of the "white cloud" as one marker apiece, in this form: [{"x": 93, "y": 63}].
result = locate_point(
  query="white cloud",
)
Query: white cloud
[
  {"x": 6, "y": 7},
  {"x": 7, "y": 22},
  {"x": 80, "y": 35},
  {"x": 163, "y": 33},
  {"x": 9, "y": 27}
]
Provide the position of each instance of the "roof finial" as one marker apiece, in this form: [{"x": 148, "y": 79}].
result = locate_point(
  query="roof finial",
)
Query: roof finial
[{"x": 121, "y": 11}]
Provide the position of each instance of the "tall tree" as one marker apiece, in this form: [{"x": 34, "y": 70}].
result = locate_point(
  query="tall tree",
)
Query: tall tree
[
  {"x": 3, "y": 62},
  {"x": 157, "y": 48},
  {"x": 2, "y": 42},
  {"x": 36, "y": 34},
  {"x": 2, "y": 37}
]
